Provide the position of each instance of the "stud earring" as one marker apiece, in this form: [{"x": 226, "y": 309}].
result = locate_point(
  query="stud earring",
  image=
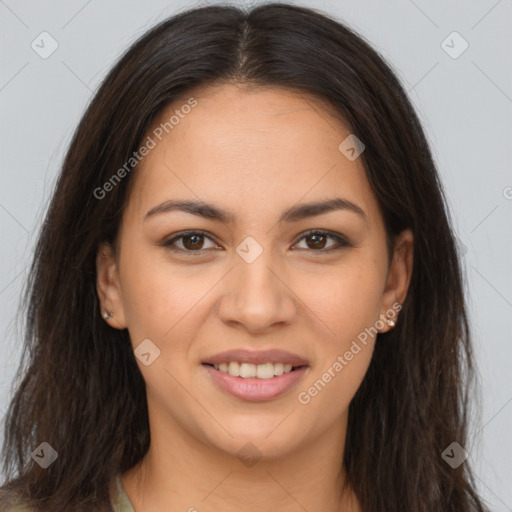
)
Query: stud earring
[
  {"x": 107, "y": 315},
  {"x": 390, "y": 322}
]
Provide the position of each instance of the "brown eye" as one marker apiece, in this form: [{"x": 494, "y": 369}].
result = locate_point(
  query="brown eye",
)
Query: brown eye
[
  {"x": 317, "y": 240},
  {"x": 193, "y": 241}
]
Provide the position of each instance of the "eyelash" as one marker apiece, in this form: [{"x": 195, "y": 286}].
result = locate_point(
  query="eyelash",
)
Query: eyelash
[{"x": 341, "y": 242}]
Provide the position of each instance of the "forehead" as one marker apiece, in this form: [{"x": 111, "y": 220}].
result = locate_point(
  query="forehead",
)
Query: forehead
[{"x": 249, "y": 148}]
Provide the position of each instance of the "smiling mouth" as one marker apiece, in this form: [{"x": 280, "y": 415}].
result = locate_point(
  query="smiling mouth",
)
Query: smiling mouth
[
  {"x": 254, "y": 371},
  {"x": 255, "y": 382}
]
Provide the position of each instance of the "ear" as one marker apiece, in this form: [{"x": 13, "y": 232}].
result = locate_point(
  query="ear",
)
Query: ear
[
  {"x": 399, "y": 277},
  {"x": 108, "y": 286}
]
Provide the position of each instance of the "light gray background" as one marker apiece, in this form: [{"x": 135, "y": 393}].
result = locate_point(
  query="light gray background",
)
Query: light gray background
[{"x": 464, "y": 103}]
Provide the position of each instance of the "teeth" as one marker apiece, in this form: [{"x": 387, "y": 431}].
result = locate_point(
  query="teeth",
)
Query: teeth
[
  {"x": 234, "y": 369},
  {"x": 278, "y": 368},
  {"x": 264, "y": 371},
  {"x": 248, "y": 371}
]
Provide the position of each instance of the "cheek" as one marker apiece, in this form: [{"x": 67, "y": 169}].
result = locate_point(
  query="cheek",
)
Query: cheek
[
  {"x": 346, "y": 301},
  {"x": 327, "y": 394},
  {"x": 157, "y": 295},
  {"x": 166, "y": 310},
  {"x": 345, "y": 298}
]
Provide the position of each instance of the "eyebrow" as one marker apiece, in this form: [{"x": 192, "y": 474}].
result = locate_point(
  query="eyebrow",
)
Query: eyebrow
[{"x": 292, "y": 214}]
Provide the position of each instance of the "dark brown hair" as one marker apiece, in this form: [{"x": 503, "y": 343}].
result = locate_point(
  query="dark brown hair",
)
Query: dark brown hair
[{"x": 79, "y": 387}]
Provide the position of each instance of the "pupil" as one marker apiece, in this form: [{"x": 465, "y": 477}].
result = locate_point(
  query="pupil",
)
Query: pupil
[
  {"x": 316, "y": 237},
  {"x": 194, "y": 243}
]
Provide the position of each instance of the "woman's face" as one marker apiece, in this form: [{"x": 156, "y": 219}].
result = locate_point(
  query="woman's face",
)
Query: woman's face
[{"x": 255, "y": 281}]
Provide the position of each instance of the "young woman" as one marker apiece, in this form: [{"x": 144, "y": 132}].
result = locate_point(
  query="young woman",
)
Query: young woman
[{"x": 246, "y": 294}]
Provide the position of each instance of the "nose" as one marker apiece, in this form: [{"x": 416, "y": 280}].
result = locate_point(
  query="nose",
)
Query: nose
[{"x": 257, "y": 296}]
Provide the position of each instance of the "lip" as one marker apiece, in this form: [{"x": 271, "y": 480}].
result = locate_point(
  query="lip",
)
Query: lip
[
  {"x": 254, "y": 389},
  {"x": 256, "y": 357}
]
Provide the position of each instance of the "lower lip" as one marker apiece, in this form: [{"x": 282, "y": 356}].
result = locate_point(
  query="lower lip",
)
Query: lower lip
[{"x": 255, "y": 390}]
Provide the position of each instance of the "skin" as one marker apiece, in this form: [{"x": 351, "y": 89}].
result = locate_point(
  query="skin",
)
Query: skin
[{"x": 254, "y": 152}]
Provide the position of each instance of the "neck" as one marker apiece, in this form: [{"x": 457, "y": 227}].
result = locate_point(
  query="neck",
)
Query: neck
[{"x": 182, "y": 473}]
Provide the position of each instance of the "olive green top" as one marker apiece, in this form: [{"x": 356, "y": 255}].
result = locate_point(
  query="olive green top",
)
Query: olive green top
[{"x": 120, "y": 500}]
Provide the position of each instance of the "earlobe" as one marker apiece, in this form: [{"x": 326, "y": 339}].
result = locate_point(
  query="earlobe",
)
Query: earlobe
[
  {"x": 399, "y": 278},
  {"x": 108, "y": 287}
]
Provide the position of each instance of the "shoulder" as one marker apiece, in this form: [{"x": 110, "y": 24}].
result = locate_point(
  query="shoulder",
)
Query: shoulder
[
  {"x": 9, "y": 502},
  {"x": 18, "y": 508}
]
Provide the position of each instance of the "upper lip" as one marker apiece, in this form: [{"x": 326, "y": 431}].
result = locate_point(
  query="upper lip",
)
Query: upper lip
[{"x": 256, "y": 357}]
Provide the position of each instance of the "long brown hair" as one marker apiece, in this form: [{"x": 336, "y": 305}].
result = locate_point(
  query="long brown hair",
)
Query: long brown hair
[{"x": 79, "y": 387}]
